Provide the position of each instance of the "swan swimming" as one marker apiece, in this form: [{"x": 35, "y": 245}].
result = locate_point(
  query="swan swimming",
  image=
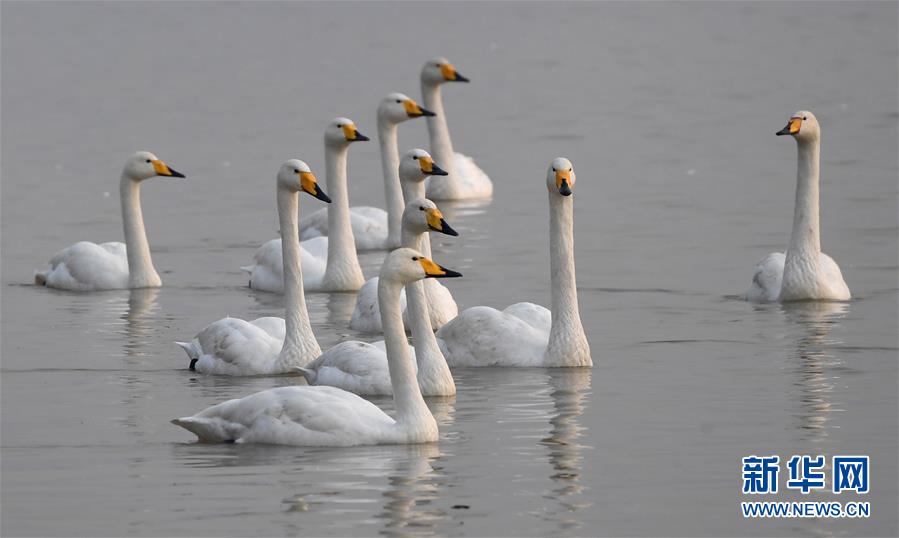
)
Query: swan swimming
[
  {"x": 328, "y": 416},
  {"x": 803, "y": 272},
  {"x": 526, "y": 334},
  {"x": 362, "y": 368},
  {"x": 415, "y": 167},
  {"x": 87, "y": 266},
  {"x": 268, "y": 345},
  {"x": 465, "y": 180},
  {"x": 374, "y": 228},
  {"x": 328, "y": 264}
]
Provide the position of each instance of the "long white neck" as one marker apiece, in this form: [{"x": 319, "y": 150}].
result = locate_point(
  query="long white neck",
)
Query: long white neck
[
  {"x": 567, "y": 342},
  {"x": 411, "y": 410},
  {"x": 805, "y": 240},
  {"x": 300, "y": 346},
  {"x": 434, "y": 375},
  {"x": 441, "y": 145},
  {"x": 141, "y": 273},
  {"x": 413, "y": 190},
  {"x": 343, "y": 272},
  {"x": 390, "y": 162}
]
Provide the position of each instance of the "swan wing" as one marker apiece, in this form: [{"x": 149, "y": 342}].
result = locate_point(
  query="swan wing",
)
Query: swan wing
[
  {"x": 833, "y": 278},
  {"x": 232, "y": 346},
  {"x": 87, "y": 266},
  {"x": 484, "y": 336},
  {"x": 367, "y": 314},
  {"x": 468, "y": 182},
  {"x": 354, "y": 366},
  {"x": 369, "y": 226},
  {"x": 767, "y": 279},
  {"x": 267, "y": 271}
]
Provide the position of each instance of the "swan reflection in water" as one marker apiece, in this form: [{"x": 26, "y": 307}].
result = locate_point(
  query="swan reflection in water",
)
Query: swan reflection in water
[{"x": 812, "y": 322}]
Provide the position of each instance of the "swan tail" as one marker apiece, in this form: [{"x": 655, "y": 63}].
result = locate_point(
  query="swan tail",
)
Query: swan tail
[
  {"x": 207, "y": 431},
  {"x": 188, "y": 348},
  {"x": 310, "y": 375},
  {"x": 247, "y": 269}
]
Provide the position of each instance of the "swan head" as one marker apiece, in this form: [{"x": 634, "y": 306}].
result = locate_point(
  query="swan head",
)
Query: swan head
[
  {"x": 341, "y": 131},
  {"x": 144, "y": 165},
  {"x": 803, "y": 126},
  {"x": 439, "y": 70},
  {"x": 405, "y": 265},
  {"x": 560, "y": 176},
  {"x": 422, "y": 215},
  {"x": 417, "y": 164},
  {"x": 399, "y": 107},
  {"x": 295, "y": 176}
]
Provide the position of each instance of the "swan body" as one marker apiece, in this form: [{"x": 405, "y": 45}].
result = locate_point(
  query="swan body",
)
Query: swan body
[
  {"x": 369, "y": 226},
  {"x": 328, "y": 416},
  {"x": 465, "y": 180},
  {"x": 414, "y": 169},
  {"x": 267, "y": 346},
  {"x": 87, "y": 266},
  {"x": 803, "y": 272},
  {"x": 329, "y": 263},
  {"x": 363, "y": 368},
  {"x": 526, "y": 334}
]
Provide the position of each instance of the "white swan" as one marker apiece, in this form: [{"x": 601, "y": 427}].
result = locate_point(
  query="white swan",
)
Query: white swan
[
  {"x": 327, "y": 416},
  {"x": 328, "y": 265},
  {"x": 362, "y": 368},
  {"x": 87, "y": 266},
  {"x": 269, "y": 345},
  {"x": 526, "y": 334},
  {"x": 374, "y": 228},
  {"x": 415, "y": 167},
  {"x": 803, "y": 272},
  {"x": 465, "y": 180}
]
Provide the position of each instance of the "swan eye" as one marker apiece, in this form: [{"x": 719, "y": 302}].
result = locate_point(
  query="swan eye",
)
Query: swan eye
[
  {"x": 398, "y": 101},
  {"x": 804, "y": 118},
  {"x": 554, "y": 168},
  {"x": 296, "y": 170},
  {"x": 421, "y": 208},
  {"x": 570, "y": 170},
  {"x": 415, "y": 157},
  {"x": 415, "y": 258},
  {"x": 149, "y": 161}
]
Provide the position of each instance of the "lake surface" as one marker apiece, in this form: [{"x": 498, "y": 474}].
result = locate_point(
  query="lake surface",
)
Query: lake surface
[{"x": 668, "y": 112}]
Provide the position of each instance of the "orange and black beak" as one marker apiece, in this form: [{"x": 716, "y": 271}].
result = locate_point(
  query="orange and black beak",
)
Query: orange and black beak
[
  {"x": 563, "y": 182},
  {"x": 414, "y": 110},
  {"x": 310, "y": 185},
  {"x": 428, "y": 167},
  {"x": 450, "y": 74},
  {"x": 792, "y": 127},
  {"x": 437, "y": 223},
  {"x": 163, "y": 169},
  {"x": 353, "y": 135},
  {"x": 432, "y": 270}
]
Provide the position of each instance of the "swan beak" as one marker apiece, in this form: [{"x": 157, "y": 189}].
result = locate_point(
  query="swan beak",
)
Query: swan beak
[
  {"x": 353, "y": 135},
  {"x": 432, "y": 270},
  {"x": 791, "y": 128},
  {"x": 437, "y": 223},
  {"x": 450, "y": 74},
  {"x": 310, "y": 185},
  {"x": 563, "y": 182},
  {"x": 163, "y": 169},
  {"x": 414, "y": 110},
  {"x": 429, "y": 168}
]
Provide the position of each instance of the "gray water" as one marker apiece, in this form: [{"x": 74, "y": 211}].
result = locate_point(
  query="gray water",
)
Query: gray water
[{"x": 668, "y": 112}]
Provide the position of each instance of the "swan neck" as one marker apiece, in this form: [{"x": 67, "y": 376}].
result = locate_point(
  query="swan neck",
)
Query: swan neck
[
  {"x": 441, "y": 145},
  {"x": 432, "y": 366},
  {"x": 566, "y": 339},
  {"x": 390, "y": 162},
  {"x": 806, "y": 236},
  {"x": 300, "y": 345},
  {"x": 141, "y": 273},
  {"x": 410, "y": 405},
  {"x": 343, "y": 270}
]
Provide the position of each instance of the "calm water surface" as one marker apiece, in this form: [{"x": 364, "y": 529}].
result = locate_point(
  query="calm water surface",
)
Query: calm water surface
[{"x": 668, "y": 112}]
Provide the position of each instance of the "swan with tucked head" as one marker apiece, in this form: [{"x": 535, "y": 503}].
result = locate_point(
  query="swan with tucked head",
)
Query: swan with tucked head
[
  {"x": 373, "y": 228},
  {"x": 465, "y": 179},
  {"x": 415, "y": 167},
  {"x": 328, "y": 416},
  {"x": 268, "y": 345},
  {"x": 526, "y": 334},
  {"x": 362, "y": 368},
  {"x": 803, "y": 272},
  {"x": 87, "y": 266},
  {"x": 328, "y": 264}
]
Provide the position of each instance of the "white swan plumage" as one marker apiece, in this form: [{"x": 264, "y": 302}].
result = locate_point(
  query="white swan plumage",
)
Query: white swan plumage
[
  {"x": 466, "y": 181},
  {"x": 414, "y": 169},
  {"x": 803, "y": 272},
  {"x": 268, "y": 345},
  {"x": 329, "y": 263},
  {"x": 87, "y": 266},
  {"x": 328, "y": 416},
  {"x": 362, "y": 368},
  {"x": 526, "y": 334},
  {"x": 374, "y": 228}
]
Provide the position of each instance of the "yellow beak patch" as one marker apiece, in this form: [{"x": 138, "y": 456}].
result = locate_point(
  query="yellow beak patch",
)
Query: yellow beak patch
[
  {"x": 308, "y": 182},
  {"x": 563, "y": 175},
  {"x": 795, "y": 124},
  {"x": 434, "y": 219},
  {"x": 161, "y": 168},
  {"x": 431, "y": 268},
  {"x": 412, "y": 108},
  {"x": 448, "y": 71},
  {"x": 427, "y": 164},
  {"x": 349, "y": 131}
]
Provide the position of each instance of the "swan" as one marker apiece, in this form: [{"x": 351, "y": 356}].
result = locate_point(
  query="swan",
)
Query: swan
[
  {"x": 526, "y": 334},
  {"x": 87, "y": 266},
  {"x": 268, "y": 345},
  {"x": 415, "y": 167},
  {"x": 465, "y": 180},
  {"x": 362, "y": 368},
  {"x": 374, "y": 228},
  {"x": 803, "y": 272},
  {"x": 327, "y": 265},
  {"x": 328, "y": 416}
]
